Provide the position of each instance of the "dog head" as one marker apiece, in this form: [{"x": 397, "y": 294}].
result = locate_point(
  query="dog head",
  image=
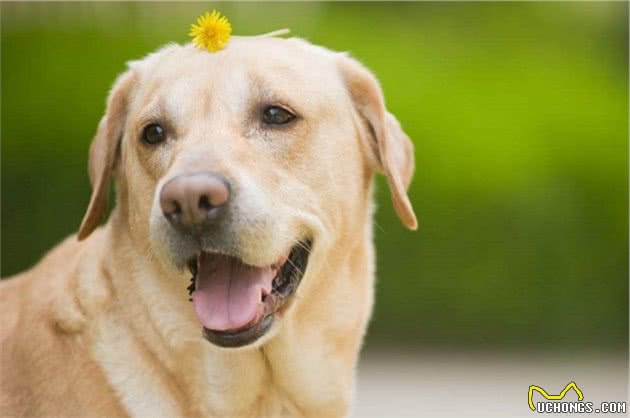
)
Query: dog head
[{"x": 239, "y": 164}]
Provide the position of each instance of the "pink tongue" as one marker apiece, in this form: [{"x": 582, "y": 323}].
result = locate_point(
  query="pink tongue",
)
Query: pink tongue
[{"x": 228, "y": 295}]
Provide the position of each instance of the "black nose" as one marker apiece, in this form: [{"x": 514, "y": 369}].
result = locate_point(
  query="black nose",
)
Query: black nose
[{"x": 194, "y": 199}]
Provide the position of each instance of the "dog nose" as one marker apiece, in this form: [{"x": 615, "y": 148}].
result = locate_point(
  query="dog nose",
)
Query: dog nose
[{"x": 194, "y": 199}]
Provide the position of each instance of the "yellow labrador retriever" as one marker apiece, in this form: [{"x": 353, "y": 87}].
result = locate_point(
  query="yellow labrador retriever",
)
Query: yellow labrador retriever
[{"x": 249, "y": 170}]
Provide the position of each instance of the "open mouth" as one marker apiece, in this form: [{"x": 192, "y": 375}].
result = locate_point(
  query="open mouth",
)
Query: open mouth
[{"x": 236, "y": 302}]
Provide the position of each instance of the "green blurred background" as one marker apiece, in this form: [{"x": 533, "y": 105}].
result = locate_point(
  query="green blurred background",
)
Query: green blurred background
[{"x": 519, "y": 114}]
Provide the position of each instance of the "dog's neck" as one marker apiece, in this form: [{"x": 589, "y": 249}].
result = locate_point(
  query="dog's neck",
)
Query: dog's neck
[{"x": 305, "y": 370}]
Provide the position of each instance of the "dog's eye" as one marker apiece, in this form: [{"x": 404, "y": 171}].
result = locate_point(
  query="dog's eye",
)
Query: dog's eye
[
  {"x": 274, "y": 115},
  {"x": 153, "y": 134}
]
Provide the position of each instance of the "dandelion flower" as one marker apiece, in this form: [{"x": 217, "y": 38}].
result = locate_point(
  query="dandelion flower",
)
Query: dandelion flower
[{"x": 212, "y": 31}]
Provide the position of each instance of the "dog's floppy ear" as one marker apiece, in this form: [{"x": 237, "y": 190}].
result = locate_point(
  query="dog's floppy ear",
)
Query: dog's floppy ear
[
  {"x": 104, "y": 150},
  {"x": 389, "y": 147}
]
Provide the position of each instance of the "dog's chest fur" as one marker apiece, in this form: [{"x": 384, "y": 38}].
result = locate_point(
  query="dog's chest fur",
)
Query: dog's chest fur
[{"x": 197, "y": 380}]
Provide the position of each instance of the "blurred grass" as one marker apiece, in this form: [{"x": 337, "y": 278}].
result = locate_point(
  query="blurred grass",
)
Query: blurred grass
[{"x": 519, "y": 113}]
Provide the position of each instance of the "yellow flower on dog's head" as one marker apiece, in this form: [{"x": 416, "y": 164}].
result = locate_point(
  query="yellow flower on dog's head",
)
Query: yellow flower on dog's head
[{"x": 212, "y": 31}]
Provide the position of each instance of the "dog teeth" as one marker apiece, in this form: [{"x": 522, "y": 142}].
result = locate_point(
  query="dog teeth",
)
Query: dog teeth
[
  {"x": 279, "y": 281},
  {"x": 193, "y": 266},
  {"x": 191, "y": 287}
]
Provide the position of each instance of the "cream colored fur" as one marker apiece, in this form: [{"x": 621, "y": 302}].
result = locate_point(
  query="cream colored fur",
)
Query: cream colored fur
[{"x": 102, "y": 326}]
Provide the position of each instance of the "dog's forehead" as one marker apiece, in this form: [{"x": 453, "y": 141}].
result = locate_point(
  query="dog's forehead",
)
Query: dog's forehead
[
  {"x": 290, "y": 61},
  {"x": 180, "y": 78}
]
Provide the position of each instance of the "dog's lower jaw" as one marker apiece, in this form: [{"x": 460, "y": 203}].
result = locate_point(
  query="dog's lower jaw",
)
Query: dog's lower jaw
[{"x": 316, "y": 346}]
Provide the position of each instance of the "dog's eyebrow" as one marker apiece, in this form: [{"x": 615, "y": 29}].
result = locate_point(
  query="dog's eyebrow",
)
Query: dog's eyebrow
[
  {"x": 270, "y": 94},
  {"x": 156, "y": 111},
  {"x": 165, "y": 100},
  {"x": 152, "y": 111}
]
